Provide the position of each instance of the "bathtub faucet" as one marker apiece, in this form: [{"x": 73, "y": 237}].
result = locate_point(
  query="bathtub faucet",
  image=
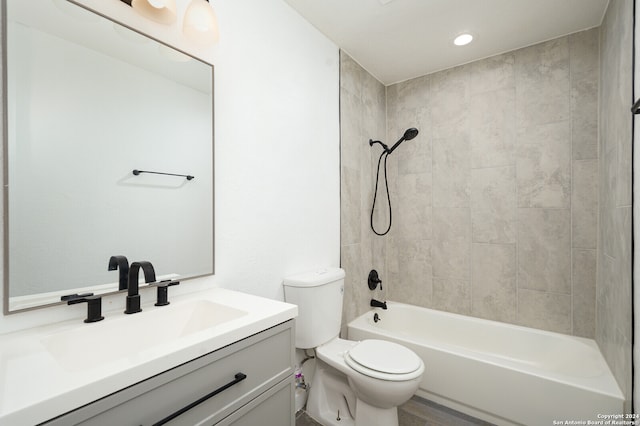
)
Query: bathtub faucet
[{"x": 378, "y": 304}]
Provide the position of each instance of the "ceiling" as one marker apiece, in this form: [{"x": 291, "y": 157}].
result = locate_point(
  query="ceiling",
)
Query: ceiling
[{"x": 396, "y": 40}]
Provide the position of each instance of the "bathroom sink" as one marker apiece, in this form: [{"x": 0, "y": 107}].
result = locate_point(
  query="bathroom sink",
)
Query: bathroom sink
[{"x": 137, "y": 335}]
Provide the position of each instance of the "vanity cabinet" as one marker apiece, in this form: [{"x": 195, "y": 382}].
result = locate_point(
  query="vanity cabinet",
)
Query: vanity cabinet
[{"x": 249, "y": 382}]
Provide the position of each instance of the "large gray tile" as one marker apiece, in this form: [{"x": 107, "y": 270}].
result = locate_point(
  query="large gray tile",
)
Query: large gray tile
[
  {"x": 547, "y": 311},
  {"x": 491, "y": 74},
  {"x": 411, "y": 94},
  {"x": 492, "y": 128},
  {"x": 623, "y": 194},
  {"x": 584, "y": 292},
  {"x": 351, "y": 74},
  {"x": 542, "y": 83},
  {"x": 452, "y": 295},
  {"x": 583, "y": 56},
  {"x": 493, "y": 205},
  {"x": 373, "y": 94},
  {"x": 606, "y": 201},
  {"x": 350, "y": 211},
  {"x": 494, "y": 282},
  {"x": 584, "y": 119},
  {"x": 412, "y": 212},
  {"x": 584, "y": 203},
  {"x": 451, "y": 172},
  {"x": 351, "y": 143},
  {"x": 449, "y": 102},
  {"x": 544, "y": 165},
  {"x": 544, "y": 250},
  {"x": 451, "y": 250},
  {"x": 413, "y": 156},
  {"x": 412, "y": 282},
  {"x": 355, "y": 287}
]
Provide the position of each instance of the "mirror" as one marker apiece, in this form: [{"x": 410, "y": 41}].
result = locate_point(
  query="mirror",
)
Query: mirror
[{"x": 87, "y": 102}]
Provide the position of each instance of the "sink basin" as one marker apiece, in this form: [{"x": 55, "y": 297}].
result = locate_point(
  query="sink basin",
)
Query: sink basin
[{"x": 89, "y": 345}]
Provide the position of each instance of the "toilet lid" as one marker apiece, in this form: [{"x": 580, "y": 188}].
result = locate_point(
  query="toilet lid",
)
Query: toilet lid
[{"x": 385, "y": 357}]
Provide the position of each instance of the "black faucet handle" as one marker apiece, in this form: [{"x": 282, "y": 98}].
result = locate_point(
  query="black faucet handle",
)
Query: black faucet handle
[
  {"x": 94, "y": 306},
  {"x": 74, "y": 296},
  {"x": 374, "y": 280},
  {"x": 163, "y": 291}
]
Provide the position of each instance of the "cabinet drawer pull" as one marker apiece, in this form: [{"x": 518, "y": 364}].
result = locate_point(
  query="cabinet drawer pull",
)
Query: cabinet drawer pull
[{"x": 238, "y": 378}]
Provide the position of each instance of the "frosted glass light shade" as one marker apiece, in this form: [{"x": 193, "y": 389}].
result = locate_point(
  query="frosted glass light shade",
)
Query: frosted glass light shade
[
  {"x": 162, "y": 11},
  {"x": 200, "y": 23}
]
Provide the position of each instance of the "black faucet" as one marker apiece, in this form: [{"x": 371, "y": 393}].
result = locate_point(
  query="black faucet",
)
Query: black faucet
[
  {"x": 94, "y": 305},
  {"x": 378, "y": 304},
  {"x": 121, "y": 263},
  {"x": 133, "y": 298}
]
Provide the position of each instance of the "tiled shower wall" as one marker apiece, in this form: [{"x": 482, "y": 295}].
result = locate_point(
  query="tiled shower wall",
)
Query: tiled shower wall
[
  {"x": 497, "y": 198},
  {"x": 613, "y": 299},
  {"x": 495, "y": 201},
  {"x": 362, "y": 116}
]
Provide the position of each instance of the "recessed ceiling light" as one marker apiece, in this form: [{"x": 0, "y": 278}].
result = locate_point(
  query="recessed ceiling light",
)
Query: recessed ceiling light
[{"x": 463, "y": 39}]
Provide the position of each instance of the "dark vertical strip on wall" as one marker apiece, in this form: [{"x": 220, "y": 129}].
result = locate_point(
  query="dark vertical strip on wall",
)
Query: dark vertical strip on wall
[
  {"x": 5, "y": 161},
  {"x": 633, "y": 202},
  {"x": 340, "y": 142}
]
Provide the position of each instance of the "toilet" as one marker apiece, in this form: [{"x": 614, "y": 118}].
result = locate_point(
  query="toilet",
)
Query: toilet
[{"x": 355, "y": 383}]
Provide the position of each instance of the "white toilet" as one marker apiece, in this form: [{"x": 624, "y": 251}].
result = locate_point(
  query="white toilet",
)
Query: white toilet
[{"x": 355, "y": 383}]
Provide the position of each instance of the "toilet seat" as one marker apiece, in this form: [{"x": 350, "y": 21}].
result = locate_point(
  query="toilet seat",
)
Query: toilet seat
[{"x": 384, "y": 360}]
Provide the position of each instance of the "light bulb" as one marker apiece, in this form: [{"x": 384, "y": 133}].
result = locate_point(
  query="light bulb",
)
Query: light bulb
[
  {"x": 158, "y": 4},
  {"x": 162, "y": 11},
  {"x": 200, "y": 23},
  {"x": 463, "y": 39}
]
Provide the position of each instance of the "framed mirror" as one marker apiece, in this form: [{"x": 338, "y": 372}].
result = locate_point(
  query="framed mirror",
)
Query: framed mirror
[{"x": 88, "y": 101}]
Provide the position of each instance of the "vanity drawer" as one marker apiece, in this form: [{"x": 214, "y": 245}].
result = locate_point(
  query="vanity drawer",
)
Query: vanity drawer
[{"x": 265, "y": 358}]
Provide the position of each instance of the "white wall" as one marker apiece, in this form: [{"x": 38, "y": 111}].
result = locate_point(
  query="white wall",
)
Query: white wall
[{"x": 276, "y": 149}]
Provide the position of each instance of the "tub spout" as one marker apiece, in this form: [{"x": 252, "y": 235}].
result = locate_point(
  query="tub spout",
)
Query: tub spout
[{"x": 378, "y": 304}]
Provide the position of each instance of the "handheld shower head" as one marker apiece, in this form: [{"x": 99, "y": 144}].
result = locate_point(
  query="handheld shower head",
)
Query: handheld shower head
[{"x": 408, "y": 135}]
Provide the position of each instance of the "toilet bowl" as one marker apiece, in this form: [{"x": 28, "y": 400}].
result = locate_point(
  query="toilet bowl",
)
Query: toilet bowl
[
  {"x": 355, "y": 383},
  {"x": 381, "y": 374}
]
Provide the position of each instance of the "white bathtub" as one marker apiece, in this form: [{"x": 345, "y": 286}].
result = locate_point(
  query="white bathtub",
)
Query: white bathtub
[{"x": 499, "y": 372}]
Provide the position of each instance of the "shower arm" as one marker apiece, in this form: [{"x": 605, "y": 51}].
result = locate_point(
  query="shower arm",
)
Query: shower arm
[
  {"x": 395, "y": 145},
  {"x": 386, "y": 148}
]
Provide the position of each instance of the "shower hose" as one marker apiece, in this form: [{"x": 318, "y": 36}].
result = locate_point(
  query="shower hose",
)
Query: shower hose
[{"x": 384, "y": 154}]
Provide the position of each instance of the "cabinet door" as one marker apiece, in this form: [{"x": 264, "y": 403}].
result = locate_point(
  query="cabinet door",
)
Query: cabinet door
[{"x": 273, "y": 408}]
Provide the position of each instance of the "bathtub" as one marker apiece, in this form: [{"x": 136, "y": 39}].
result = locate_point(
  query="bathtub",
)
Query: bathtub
[{"x": 501, "y": 373}]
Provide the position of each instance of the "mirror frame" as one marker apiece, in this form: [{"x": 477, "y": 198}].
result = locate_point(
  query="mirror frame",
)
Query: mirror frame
[{"x": 5, "y": 156}]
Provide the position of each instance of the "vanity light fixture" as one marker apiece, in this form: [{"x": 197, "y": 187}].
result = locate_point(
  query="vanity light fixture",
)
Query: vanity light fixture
[
  {"x": 200, "y": 24},
  {"x": 162, "y": 11},
  {"x": 463, "y": 39}
]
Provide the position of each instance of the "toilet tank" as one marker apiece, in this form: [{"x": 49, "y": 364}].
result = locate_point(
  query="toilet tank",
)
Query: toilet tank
[{"x": 318, "y": 295}]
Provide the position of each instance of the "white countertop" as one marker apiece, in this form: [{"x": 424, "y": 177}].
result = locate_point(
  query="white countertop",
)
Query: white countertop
[{"x": 35, "y": 386}]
